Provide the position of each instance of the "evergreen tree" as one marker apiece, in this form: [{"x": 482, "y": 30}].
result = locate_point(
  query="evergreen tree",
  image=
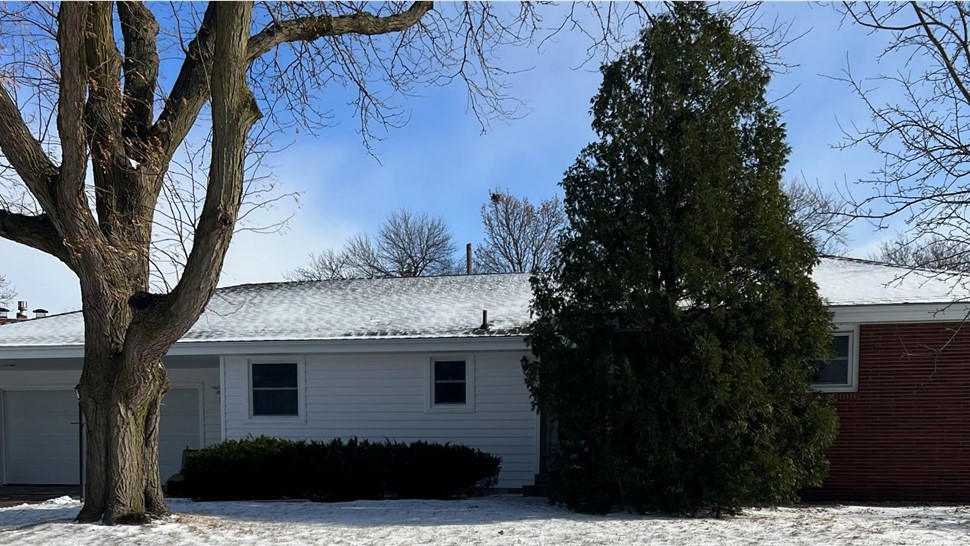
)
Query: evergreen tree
[{"x": 675, "y": 339}]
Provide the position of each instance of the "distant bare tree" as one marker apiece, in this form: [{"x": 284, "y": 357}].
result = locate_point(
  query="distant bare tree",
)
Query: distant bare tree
[
  {"x": 823, "y": 216},
  {"x": 519, "y": 237},
  {"x": 329, "y": 265},
  {"x": 933, "y": 253},
  {"x": 7, "y": 292},
  {"x": 407, "y": 244}
]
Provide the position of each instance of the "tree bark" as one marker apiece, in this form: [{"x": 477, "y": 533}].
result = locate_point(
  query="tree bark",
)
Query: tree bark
[{"x": 122, "y": 481}]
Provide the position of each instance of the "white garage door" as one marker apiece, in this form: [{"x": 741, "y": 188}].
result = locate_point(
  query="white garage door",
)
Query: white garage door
[{"x": 41, "y": 436}]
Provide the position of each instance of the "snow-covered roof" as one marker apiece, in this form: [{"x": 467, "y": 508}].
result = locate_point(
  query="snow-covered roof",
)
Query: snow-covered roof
[
  {"x": 449, "y": 306},
  {"x": 848, "y": 281},
  {"x": 422, "y": 307}
]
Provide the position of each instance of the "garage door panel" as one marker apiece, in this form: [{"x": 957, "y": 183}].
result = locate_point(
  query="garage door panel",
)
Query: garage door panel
[{"x": 40, "y": 436}]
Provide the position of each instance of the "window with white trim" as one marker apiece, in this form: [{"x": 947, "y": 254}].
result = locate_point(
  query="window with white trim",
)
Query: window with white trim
[
  {"x": 838, "y": 373},
  {"x": 451, "y": 385},
  {"x": 275, "y": 389}
]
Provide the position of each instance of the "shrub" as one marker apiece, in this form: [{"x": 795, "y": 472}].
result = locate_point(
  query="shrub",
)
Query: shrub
[{"x": 273, "y": 468}]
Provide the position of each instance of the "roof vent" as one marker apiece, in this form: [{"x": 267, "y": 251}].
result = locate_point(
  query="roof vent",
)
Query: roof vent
[
  {"x": 484, "y": 319},
  {"x": 21, "y": 310},
  {"x": 40, "y": 313}
]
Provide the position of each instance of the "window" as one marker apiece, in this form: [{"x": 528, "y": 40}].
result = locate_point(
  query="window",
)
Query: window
[
  {"x": 451, "y": 385},
  {"x": 838, "y": 373},
  {"x": 275, "y": 389},
  {"x": 449, "y": 382}
]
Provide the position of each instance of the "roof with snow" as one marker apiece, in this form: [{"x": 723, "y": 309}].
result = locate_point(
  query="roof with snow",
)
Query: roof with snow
[
  {"x": 449, "y": 306},
  {"x": 849, "y": 281},
  {"x": 421, "y": 307}
]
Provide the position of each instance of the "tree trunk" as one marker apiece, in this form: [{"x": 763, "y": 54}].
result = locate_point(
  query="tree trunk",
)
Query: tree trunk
[
  {"x": 121, "y": 392},
  {"x": 123, "y": 484},
  {"x": 126, "y": 329}
]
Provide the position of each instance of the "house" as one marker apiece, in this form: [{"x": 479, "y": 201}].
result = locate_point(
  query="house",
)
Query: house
[{"x": 439, "y": 359}]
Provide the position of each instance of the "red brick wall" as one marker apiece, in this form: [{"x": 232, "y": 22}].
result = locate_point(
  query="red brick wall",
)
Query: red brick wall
[{"x": 905, "y": 435}]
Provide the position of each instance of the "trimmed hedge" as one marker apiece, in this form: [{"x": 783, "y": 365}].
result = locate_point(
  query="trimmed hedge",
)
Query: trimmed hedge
[{"x": 273, "y": 468}]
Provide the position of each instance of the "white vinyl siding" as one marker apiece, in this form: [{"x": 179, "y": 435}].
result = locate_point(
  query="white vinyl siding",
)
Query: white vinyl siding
[{"x": 378, "y": 397}]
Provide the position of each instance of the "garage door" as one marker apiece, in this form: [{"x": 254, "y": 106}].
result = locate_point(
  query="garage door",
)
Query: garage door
[{"x": 41, "y": 436}]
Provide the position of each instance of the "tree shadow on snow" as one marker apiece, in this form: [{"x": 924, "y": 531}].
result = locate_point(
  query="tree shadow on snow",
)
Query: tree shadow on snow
[{"x": 26, "y": 516}]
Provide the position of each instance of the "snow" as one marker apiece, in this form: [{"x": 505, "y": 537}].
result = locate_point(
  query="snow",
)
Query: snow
[
  {"x": 423, "y": 307},
  {"x": 450, "y": 306},
  {"x": 498, "y": 520},
  {"x": 860, "y": 282}
]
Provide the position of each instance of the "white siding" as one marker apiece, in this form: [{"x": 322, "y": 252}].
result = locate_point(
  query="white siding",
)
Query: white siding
[
  {"x": 206, "y": 379},
  {"x": 378, "y": 397}
]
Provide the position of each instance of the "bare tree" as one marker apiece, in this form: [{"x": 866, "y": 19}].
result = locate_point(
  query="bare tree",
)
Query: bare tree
[
  {"x": 407, "y": 244},
  {"x": 821, "y": 215},
  {"x": 934, "y": 253},
  {"x": 72, "y": 104},
  {"x": 7, "y": 291},
  {"x": 924, "y": 135},
  {"x": 329, "y": 265},
  {"x": 519, "y": 237}
]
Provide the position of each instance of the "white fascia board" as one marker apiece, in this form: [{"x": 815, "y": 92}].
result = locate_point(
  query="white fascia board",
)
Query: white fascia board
[
  {"x": 41, "y": 351},
  {"x": 351, "y": 346},
  {"x": 339, "y": 346},
  {"x": 900, "y": 313}
]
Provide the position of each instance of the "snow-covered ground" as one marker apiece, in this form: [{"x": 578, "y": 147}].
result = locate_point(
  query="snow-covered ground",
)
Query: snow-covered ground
[{"x": 487, "y": 521}]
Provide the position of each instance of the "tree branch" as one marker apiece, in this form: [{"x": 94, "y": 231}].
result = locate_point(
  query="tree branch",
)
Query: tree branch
[
  {"x": 72, "y": 88},
  {"x": 944, "y": 56},
  {"x": 36, "y": 232},
  {"x": 24, "y": 152},
  {"x": 140, "y": 31},
  {"x": 103, "y": 115},
  {"x": 189, "y": 93},
  {"x": 313, "y": 27},
  {"x": 104, "y": 96},
  {"x": 234, "y": 111},
  {"x": 191, "y": 89}
]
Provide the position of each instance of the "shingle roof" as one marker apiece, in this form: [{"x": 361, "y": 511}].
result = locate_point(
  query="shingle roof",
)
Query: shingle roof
[
  {"x": 447, "y": 307},
  {"x": 423, "y": 307}
]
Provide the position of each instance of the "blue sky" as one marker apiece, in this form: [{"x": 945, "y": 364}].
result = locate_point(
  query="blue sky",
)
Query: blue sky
[{"x": 441, "y": 162}]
